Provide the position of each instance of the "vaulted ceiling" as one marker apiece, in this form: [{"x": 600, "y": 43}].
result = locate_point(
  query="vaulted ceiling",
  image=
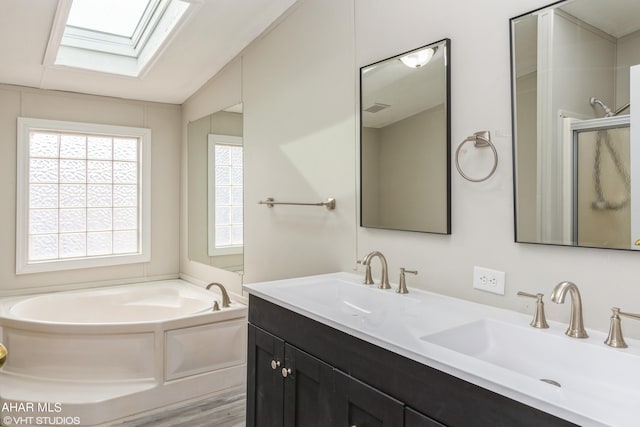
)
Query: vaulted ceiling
[{"x": 203, "y": 46}]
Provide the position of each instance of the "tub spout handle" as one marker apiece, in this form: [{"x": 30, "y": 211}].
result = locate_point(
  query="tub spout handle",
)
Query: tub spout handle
[
  {"x": 216, "y": 307},
  {"x": 3, "y": 355},
  {"x": 226, "y": 301}
]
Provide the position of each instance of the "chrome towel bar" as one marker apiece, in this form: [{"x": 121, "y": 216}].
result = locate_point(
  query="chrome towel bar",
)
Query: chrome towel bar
[{"x": 329, "y": 204}]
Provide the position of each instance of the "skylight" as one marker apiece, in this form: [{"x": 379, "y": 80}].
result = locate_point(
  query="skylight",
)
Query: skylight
[
  {"x": 113, "y": 36},
  {"x": 118, "y": 17}
]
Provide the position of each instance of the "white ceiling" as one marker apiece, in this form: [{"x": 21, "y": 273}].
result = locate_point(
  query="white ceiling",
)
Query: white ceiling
[
  {"x": 617, "y": 18},
  {"x": 213, "y": 36}
]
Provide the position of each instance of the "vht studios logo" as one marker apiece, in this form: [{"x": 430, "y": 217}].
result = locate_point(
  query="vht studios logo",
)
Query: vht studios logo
[
  {"x": 34, "y": 413},
  {"x": 30, "y": 407}
]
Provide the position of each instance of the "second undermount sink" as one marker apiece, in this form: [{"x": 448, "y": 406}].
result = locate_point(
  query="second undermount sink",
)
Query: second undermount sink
[{"x": 586, "y": 367}]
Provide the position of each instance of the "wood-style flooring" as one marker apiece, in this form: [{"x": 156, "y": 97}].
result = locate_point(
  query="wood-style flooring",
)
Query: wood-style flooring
[{"x": 221, "y": 411}]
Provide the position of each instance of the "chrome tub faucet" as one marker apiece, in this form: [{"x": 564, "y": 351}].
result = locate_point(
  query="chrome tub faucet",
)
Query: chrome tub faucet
[{"x": 226, "y": 301}]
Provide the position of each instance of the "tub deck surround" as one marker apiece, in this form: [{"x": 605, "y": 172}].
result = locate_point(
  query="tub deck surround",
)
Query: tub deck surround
[
  {"x": 414, "y": 325},
  {"x": 109, "y": 353}
]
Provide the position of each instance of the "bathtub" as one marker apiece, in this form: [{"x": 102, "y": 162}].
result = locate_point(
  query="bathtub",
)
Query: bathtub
[{"x": 92, "y": 357}]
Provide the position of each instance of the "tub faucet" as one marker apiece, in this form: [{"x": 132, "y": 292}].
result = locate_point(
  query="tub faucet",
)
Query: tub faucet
[
  {"x": 226, "y": 301},
  {"x": 384, "y": 280},
  {"x": 576, "y": 324}
]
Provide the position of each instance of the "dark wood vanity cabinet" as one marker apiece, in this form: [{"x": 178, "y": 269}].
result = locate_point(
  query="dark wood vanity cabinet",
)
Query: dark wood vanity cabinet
[
  {"x": 288, "y": 387},
  {"x": 304, "y": 373}
]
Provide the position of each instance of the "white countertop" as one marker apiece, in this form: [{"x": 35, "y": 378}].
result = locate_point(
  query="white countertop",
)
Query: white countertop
[{"x": 400, "y": 322}]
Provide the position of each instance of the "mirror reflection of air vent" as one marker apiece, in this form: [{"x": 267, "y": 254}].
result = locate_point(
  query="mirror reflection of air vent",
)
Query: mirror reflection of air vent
[{"x": 376, "y": 107}]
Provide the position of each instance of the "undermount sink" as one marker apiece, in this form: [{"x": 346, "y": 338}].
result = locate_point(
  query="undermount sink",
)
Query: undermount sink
[
  {"x": 348, "y": 298},
  {"x": 583, "y": 367}
]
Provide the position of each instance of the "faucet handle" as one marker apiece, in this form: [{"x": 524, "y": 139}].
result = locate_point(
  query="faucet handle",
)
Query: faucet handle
[
  {"x": 539, "y": 319},
  {"x": 615, "y": 338},
  {"x": 402, "y": 287},
  {"x": 368, "y": 279}
]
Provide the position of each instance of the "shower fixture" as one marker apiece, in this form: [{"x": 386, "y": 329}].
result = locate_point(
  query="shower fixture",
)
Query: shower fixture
[
  {"x": 621, "y": 109},
  {"x": 593, "y": 101},
  {"x": 608, "y": 113}
]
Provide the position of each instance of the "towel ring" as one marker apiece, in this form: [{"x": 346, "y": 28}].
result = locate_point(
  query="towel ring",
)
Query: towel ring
[{"x": 480, "y": 140}]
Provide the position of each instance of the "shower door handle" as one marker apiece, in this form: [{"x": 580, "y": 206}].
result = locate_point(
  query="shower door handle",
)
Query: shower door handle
[{"x": 3, "y": 355}]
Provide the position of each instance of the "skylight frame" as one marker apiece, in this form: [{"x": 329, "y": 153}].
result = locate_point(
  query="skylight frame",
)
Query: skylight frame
[
  {"x": 98, "y": 51},
  {"x": 84, "y": 38}
]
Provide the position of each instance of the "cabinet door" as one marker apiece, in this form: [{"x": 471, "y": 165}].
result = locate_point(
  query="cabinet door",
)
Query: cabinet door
[
  {"x": 265, "y": 383},
  {"x": 363, "y": 406},
  {"x": 308, "y": 390},
  {"x": 416, "y": 419}
]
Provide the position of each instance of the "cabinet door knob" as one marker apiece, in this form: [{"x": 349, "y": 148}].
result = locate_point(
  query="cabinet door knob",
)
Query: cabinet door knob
[
  {"x": 286, "y": 372},
  {"x": 275, "y": 364}
]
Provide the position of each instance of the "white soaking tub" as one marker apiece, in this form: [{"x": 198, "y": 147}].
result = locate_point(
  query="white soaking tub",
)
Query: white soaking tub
[{"x": 93, "y": 356}]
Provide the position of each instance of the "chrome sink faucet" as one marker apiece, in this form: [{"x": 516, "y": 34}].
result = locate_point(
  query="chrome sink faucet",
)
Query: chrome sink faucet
[
  {"x": 384, "y": 280},
  {"x": 576, "y": 324}
]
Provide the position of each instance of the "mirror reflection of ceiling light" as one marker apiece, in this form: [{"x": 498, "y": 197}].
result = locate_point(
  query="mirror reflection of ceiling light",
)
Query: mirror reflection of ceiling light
[{"x": 418, "y": 58}]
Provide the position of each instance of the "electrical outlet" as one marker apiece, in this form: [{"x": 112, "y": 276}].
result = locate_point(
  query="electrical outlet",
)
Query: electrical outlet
[{"x": 488, "y": 280}]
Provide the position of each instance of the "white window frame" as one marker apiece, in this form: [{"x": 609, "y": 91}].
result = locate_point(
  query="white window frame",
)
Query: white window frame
[
  {"x": 212, "y": 140},
  {"x": 25, "y": 126}
]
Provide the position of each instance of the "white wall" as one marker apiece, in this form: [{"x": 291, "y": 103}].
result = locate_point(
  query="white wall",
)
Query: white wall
[
  {"x": 299, "y": 88},
  {"x": 299, "y": 138},
  {"x": 164, "y": 122},
  {"x": 628, "y": 54}
]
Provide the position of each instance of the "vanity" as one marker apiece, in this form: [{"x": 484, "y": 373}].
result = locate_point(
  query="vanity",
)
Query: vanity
[{"x": 329, "y": 351}]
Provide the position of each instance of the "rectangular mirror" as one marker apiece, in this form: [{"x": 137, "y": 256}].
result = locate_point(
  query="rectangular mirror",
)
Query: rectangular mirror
[
  {"x": 575, "y": 167},
  {"x": 405, "y": 141},
  {"x": 215, "y": 172}
]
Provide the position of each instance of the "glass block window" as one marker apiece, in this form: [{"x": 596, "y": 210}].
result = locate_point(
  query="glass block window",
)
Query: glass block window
[
  {"x": 81, "y": 195},
  {"x": 225, "y": 179}
]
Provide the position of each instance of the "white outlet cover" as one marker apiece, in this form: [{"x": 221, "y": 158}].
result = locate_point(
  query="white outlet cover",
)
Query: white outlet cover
[{"x": 489, "y": 280}]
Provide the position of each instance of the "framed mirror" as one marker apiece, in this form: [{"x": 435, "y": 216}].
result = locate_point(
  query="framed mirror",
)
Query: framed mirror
[
  {"x": 215, "y": 172},
  {"x": 405, "y": 141},
  {"x": 574, "y": 74}
]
